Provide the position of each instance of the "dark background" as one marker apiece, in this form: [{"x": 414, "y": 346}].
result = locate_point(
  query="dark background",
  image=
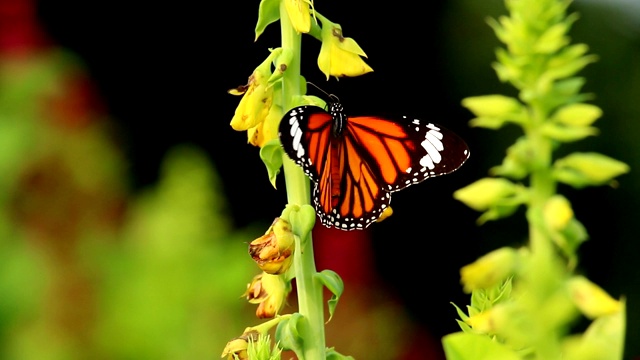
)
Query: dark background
[{"x": 163, "y": 71}]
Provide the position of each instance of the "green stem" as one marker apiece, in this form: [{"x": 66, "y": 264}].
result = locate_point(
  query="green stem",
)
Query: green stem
[
  {"x": 542, "y": 187},
  {"x": 310, "y": 302},
  {"x": 542, "y": 184}
]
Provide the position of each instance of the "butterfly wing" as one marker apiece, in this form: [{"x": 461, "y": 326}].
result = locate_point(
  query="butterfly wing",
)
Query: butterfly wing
[
  {"x": 305, "y": 134},
  {"x": 307, "y": 138},
  {"x": 355, "y": 173},
  {"x": 379, "y": 156},
  {"x": 404, "y": 151},
  {"x": 353, "y": 197}
]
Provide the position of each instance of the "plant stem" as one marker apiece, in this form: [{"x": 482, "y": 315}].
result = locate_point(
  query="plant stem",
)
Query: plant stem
[
  {"x": 310, "y": 301},
  {"x": 542, "y": 185}
]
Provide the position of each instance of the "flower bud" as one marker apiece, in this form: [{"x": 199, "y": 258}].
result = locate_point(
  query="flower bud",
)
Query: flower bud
[
  {"x": 489, "y": 270},
  {"x": 485, "y": 193},
  {"x": 557, "y": 212},
  {"x": 577, "y": 114},
  {"x": 273, "y": 252},
  {"x": 492, "y": 105},
  {"x": 269, "y": 292},
  {"x": 237, "y": 347},
  {"x": 584, "y": 169},
  {"x": 592, "y": 301}
]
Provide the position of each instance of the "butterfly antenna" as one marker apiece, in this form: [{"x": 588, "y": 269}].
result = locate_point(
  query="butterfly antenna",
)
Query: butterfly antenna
[{"x": 330, "y": 96}]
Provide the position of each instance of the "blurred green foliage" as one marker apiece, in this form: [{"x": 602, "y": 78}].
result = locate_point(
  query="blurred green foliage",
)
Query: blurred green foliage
[{"x": 89, "y": 270}]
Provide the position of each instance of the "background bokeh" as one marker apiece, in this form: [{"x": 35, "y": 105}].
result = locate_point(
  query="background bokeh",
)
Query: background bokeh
[{"x": 126, "y": 201}]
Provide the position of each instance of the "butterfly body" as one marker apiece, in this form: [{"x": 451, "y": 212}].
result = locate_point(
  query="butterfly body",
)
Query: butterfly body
[{"x": 356, "y": 163}]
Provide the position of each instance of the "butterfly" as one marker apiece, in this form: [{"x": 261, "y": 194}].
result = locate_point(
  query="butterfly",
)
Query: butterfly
[{"x": 356, "y": 163}]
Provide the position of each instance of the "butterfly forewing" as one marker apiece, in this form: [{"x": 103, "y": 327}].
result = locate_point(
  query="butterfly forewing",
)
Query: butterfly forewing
[
  {"x": 407, "y": 151},
  {"x": 355, "y": 170},
  {"x": 305, "y": 133}
]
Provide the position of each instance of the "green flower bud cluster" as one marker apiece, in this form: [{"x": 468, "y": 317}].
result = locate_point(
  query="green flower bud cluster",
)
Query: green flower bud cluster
[{"x": 524, "y": 300}]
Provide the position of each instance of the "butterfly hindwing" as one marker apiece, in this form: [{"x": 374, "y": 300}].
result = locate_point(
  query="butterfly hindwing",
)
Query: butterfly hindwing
[{"x": 351, "y": 197}]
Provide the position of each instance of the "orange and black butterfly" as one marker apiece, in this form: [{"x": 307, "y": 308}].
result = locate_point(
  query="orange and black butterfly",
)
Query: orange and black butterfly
[{"x": 357, "y": 162}]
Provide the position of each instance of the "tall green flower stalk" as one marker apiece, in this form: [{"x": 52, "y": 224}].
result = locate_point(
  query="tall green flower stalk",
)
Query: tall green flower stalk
[
  {"x": 285, "y": 252},
  {"x": 525, "y": 300}
]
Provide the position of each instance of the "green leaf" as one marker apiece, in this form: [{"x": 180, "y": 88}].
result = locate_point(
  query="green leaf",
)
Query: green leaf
[
  {"x": 497, "y": 212},
  {"x": 603, "y": 339},
  {"x": 302, "y": 221},
  {"x": 332, "y": 281},
  {"x": 554, "y": 37},
  {"x": 568, "y": 69},
  {"x": 506, "y": 68},
  {"x": 492, "y": 123},
  {"x": 568, "y": 55},
  {"x": 465, "y": 328},
  {"x": 463, "y": 325},
  {"x": 288, "y": 334},
  {"x": 332, "y": 354},
  {"x": 565, "y": 91},
  {"x": 516, "y": 164},
  {"x": 468, "y": 346},
  {"x": 575, "y": 233},
  {"x": 565, "y": 133},
  {"x": 271, "y": 154},
  {"x": 500, "y": 32},
  {"x": 269, "y": 12},
  {"x": 261, "y": 349},
  {"x": 569, "y": 239},
  {"x": 588, "y": 169},
  {"x": 461, "y": 313}
]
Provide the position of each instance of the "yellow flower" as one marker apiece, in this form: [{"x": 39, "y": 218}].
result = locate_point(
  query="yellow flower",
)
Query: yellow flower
[
  {"x": 485, "y": 193},
  {"x": 266, "y": 130},
  {"x": 339, "y": 56},
  {"x": 489, "y": 270},
  {"x": 491, "y": 321},
  {"x": 591, "y": 299},
  {"x": 257, "y": 96},
  {"x": 269, "y": 292},
  {"x": 557, "y": 212},
  {"x": 298, "y": 12},
  {"x": 237, "y": 347},
  {"x": 273, "y": 251},
  {"x": 481, "y": 322}
]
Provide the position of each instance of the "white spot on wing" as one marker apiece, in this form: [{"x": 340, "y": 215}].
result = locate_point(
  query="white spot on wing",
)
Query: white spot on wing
[
  {"x": 297, "y": 146},
  {"x": 295, "y": 126},
  {"x": 426, "y": 162},
  {"x": 432, "y": 152},
  {"x": 435, "y": 138}
]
